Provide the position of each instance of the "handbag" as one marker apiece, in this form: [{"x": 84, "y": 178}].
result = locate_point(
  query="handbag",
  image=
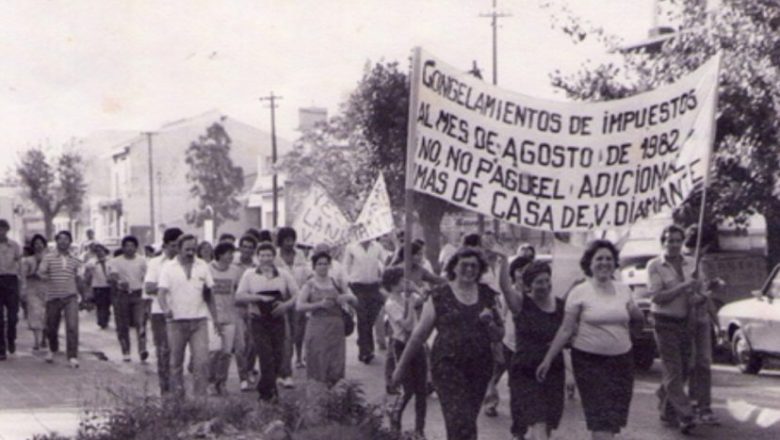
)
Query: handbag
[{"x": 347, "y": 314}]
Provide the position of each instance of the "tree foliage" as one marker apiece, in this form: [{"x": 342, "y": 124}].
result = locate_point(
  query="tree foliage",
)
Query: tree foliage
[
  {"x": 54, "y": 185},
  {"x": 215, "y": 181},
  {"x": 369, "y": 136},
  {"x": 745, "y": 176}
]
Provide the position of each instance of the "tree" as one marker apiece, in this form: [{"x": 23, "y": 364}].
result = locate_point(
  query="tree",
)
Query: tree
[
  {"x": 52, "y": 188},
  {"x": 368, "y": 137},
  {"x": 215, "y": 181},
  {"x": 745, "y": 171},
  {"x": 338, "y": 147},
  {"x": 380, "y": 107}
]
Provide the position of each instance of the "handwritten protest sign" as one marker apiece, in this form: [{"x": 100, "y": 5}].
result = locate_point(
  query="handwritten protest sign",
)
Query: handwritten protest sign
[
  {"x": 554, "y": 165},
  {"x": 376, "y": 218},
  {"x": 321, "y": 220}
]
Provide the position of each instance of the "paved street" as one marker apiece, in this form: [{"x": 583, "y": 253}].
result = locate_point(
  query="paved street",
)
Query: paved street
[{"x": 36, "y": 397}]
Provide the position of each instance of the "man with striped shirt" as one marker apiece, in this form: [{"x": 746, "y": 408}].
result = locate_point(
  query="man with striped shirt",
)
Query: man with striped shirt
[{"x": 62, "y": 271}]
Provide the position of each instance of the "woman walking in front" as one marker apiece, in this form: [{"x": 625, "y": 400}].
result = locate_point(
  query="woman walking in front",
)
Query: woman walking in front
[
  {"x": 536, "y": 405},
  {"x": 598, "y": 313},
  {"x": 270, "y": 293},
  {"x": 464, "y": 314},
  {"x": 35, "y": 291},
  {"x": 325, "y": 345}
]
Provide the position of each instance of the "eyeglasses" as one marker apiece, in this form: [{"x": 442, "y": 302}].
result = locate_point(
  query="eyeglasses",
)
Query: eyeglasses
[{"x": 468, "y": 265}]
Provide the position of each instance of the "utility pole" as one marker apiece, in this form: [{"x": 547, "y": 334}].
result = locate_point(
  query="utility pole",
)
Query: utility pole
[
  {"x": 151, "y": 185},
  {"x": 494, "y": 16},
  {"x": 272, "y": 104}
]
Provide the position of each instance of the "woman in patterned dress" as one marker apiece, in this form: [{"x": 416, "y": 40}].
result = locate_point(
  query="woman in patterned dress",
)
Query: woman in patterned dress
[
  {"x": 464, "y": 314},
  {"x": 322, "y": 297},
  {"x": 35, "y": 291}
]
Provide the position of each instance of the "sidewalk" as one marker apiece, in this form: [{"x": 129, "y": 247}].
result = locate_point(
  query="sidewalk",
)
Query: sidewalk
[{"x": 37, "y": 397}]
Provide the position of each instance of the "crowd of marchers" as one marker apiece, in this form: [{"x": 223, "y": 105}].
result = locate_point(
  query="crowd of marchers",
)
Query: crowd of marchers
[{"x": 273, "y": 305}]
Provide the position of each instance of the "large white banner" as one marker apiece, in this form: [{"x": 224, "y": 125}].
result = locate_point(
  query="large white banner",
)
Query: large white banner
[
  {"x": 321, "y": 220},
  {"x": 376, "y": 218},
  {"x": 559, "y": 166}
]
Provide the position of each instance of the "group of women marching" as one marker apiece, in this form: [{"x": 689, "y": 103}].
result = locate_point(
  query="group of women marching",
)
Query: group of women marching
[{"x": 263, "y": 296}]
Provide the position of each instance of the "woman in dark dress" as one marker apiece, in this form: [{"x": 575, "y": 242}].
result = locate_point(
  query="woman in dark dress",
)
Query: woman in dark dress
[
  {"x": 464, "y": 314},
  {"x": 536, "y": 405}
]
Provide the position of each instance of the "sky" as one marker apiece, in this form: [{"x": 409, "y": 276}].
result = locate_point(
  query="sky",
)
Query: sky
[{"x": 69, "y": 68}]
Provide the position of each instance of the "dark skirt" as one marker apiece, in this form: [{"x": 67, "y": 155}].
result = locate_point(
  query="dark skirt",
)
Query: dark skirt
[
  {"x": 606, "y": 384},
  {"x": 533, "y": 401}
]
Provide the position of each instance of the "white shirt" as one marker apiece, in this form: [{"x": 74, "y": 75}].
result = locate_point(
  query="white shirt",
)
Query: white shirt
[
  {"x": 185, "y": 295},
  {"x": 129, "y": 270},
  {"x": 604, "y": 318},
  {"x": 363, "y": 265},
  {"x": 153, "y": 276}
]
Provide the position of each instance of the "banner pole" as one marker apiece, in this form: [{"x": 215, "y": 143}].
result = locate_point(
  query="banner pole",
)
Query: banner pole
[
  {"x": 706, "y": 180},
  {"x": 411, "y": 144}
]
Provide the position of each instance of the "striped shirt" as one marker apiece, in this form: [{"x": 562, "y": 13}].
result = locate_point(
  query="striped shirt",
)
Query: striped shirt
[{"x": 61, "y": 272}]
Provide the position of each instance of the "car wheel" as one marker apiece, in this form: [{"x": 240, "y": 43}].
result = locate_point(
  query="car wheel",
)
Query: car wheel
[
  {"x": 747, "y": 361},
  {"x": 644, "y": 355}
]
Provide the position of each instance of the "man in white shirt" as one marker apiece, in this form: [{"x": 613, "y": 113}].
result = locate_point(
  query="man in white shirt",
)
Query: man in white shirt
[
  {"x": 127, "y": 273},
  {"x": 185, "y": 283},
  {"x": 363, "y": 263},
  {"x": 159, "y": 328}
]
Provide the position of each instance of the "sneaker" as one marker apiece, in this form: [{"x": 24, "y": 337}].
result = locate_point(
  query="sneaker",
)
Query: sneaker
[
  {"x": 11, "y": 347},
  {"x": 707, "y": 417},
  {"x": 49, "y": 357},
  {"x": 144, "y": 356},
  {"x": 74, "y": 363},
  {"x": 491, "y": 411},
  {"x": 245, "y": 387},
  {"x": 287, "y": 382},
  {"x": 126, "y": 358}
]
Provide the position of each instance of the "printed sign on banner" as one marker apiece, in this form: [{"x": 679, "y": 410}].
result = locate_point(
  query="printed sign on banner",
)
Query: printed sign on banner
[
  {"x": 559, "y": 166},
  {"x": 321, "y": 220},
  {"x": 376, "y": 218}
]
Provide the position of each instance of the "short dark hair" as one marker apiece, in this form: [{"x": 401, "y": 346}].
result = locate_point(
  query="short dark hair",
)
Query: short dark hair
[
  {"x": 318, "y": 256},
  {"x": 99, "y": 247},
  {"x": 465, "y": 253},
  {"x": 518, "y": 263},
  {"x": 264, "y": 235},
  {"x": 172, "y": 235},
  {"x": 416, "y": 248},
  {"x": 186, "y": 237},
  {"x": 4, "y": 224},
  {"x": 472, "y": 240},
  {"x": 391, "y": 277},
  {"x": 535, "y": 269},
  {"x": 227, "y": 236},
  {"x": 670, "y": 229},
  {"x": 248, "y": 238},
  {"x": 284, "y": 233},
  {"x": 590, "y": 251},
  {"x": 149, "y": 249},
  {"x": 222, "y": 249},
  {"x": 66, "y": 234},
  {"x": 118, "y": 252},
  {"x": 39, "y": 237},
  {"x": 130, "y": 239},
  {"x": 265, "y": 247}
]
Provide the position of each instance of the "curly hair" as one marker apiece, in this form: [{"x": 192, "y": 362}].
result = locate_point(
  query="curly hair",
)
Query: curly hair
[
  {"x": 590, "y": 252},
  {"x": 465, "y": 253}
]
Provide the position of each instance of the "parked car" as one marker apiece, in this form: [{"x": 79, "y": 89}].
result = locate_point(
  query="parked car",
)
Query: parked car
[{"x": 751, "y": 327}]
